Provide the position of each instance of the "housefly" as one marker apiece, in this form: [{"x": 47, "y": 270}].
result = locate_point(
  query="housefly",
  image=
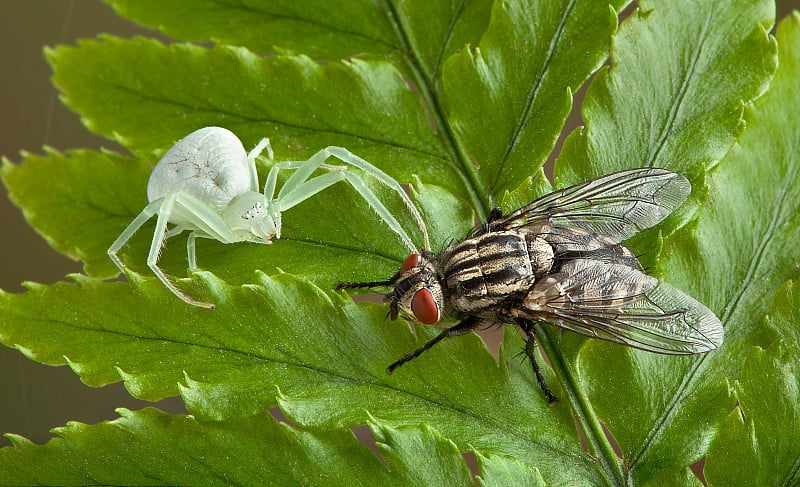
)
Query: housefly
[{"x": 559, "y": 260}]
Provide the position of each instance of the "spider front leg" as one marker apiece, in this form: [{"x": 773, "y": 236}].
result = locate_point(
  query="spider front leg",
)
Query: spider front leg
[
  {"x": 352, "y": 159},
  {"x": 148, "y": 212},
  {"x": 192, "y": 214},
  {"x": 299, "y": 187}
]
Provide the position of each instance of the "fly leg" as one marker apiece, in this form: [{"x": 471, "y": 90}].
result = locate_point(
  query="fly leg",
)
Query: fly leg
[
  {"x": 494, "y": 215},
  {"x": 465, "y": 326},
  {"x": 530, "y": 349}
]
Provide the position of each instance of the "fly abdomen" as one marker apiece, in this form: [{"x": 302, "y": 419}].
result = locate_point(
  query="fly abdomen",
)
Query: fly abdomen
[{"x": 482, "y": 271}]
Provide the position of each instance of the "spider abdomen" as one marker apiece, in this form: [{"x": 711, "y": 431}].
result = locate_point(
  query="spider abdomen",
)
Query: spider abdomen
[{"x": 209, "y": 164}]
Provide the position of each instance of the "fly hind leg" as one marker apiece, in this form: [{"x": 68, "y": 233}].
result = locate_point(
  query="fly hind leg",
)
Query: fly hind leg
[{"x": 530, "y": 351}]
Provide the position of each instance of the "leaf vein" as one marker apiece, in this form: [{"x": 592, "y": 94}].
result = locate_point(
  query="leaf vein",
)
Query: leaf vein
[
  {"x": 295, "y": 18},
  {"x": 524, "y": 117},
  {"x": 681, "y": 95}
]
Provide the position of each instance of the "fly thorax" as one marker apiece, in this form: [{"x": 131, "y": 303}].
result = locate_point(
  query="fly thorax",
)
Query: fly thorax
[
  {"x": 417, "y": 293},
  {"x": 249, "y": 213}
]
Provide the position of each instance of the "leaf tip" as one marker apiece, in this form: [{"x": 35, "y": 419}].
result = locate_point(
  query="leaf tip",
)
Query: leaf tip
[
  {"x": 74, "y": 366},
  {"x": 18, "y": 441},
  {"x": 134, "y": 384}
]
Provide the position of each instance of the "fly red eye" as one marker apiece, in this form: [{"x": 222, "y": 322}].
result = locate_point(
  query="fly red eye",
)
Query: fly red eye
[
  {"x": 424, "y": 307},
  {"x": 410, "y": 262}
]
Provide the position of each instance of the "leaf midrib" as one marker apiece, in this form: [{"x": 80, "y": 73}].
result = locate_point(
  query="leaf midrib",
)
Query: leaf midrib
[{"x": 468, "y": 174}]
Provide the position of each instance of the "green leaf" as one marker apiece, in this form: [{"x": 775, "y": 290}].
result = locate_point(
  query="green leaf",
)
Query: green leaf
[
  {"x": 288, "y": 332},
  {"x": 758, "y": 440},
  {"x": 740, "y": 249},
  {"x": 149, "y": 447},
  {"x": 683, "y": 114},
  {"x": 518, "y": 84},
  {"x": 465, "y": 107}
]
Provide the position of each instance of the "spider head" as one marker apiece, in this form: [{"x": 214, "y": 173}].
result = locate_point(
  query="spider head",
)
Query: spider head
[{"x": 251, "y": 213}]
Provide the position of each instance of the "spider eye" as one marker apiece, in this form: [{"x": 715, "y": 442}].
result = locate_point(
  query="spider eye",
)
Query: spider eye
[
  {"x": 424, "y": 307},
  {"x": 410, "y": 262}
]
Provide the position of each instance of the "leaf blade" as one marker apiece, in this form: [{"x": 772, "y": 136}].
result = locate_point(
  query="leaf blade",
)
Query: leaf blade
[
  {"x": 224, "y": 360},
  {"x": 501, "y": 118},
  {"x": 681, "y": 408},
  {"x": 677, "y": 114}
]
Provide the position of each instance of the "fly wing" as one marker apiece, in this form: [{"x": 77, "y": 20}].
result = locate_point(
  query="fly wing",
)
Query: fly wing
[
  {"x": 617, "y": 206},
  {"x": 618, "y": 303}
]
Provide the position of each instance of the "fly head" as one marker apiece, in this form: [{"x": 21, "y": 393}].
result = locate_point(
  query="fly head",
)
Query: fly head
[{"x": 417, "y": 294}]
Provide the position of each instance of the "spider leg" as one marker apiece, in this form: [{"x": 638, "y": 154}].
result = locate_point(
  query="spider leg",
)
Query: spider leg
[
  {"x": 251, "y": 161},
  {"x": 358, "y": 184},
  {"x": 299, "y": 187},
  {"x": 191, "y": 256},
  {"x": 259, "y": 148},
  {"x": 286, "y": 200},
  {"x": 130, "y": 230},
  {"x": 159, "y": 237},
  {"x": 294, "y": 181},
  {"x": 352, "y": 159},
  {"x": 194, "y": 215},
  {"x": 176, "y": 230}
]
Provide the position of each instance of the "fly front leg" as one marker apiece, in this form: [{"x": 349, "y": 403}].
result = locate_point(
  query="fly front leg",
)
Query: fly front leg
[
  {"x": 530, "y": 350},
  {"x": 465, "y": 326}
]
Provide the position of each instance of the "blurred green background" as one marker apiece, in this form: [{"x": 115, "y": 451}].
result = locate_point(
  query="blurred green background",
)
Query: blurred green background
[{"x": 34, "y": 397}]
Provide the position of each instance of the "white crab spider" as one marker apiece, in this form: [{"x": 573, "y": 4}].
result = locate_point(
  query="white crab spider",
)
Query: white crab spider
[{"x": 207, "y": 184}]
